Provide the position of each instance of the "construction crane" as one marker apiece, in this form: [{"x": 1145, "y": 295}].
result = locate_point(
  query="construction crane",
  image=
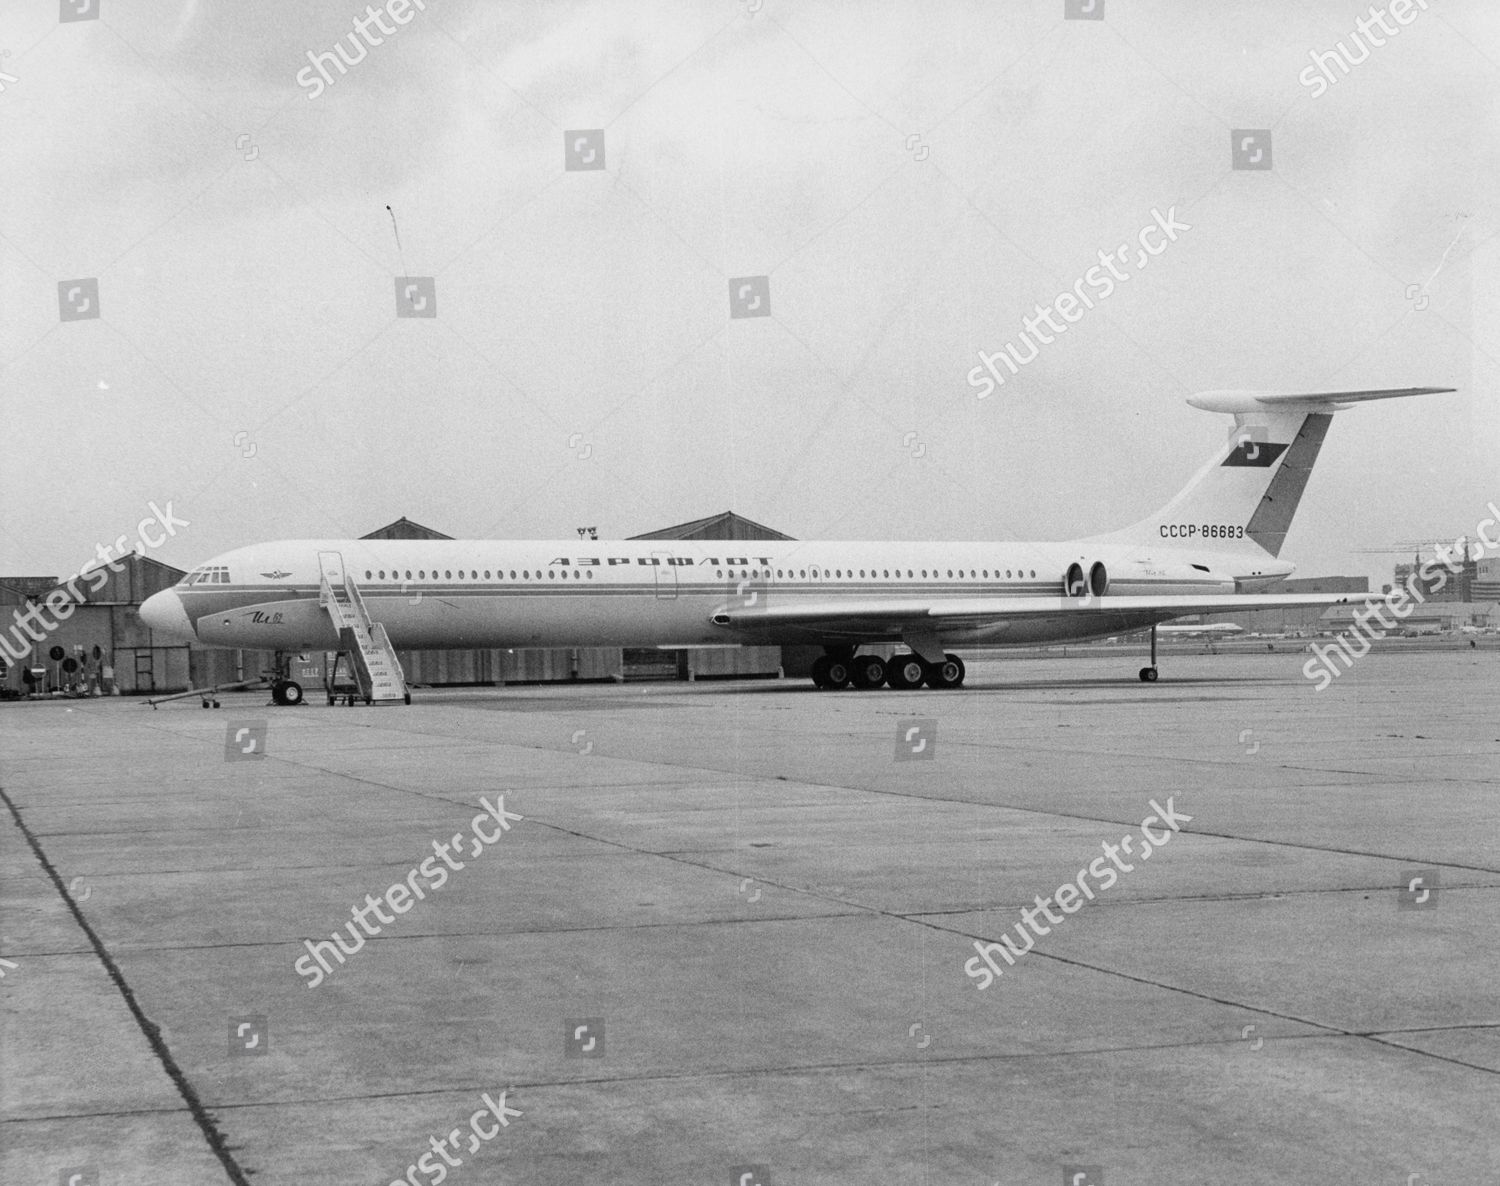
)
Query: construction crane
[{"x": 1459, "y": 546}]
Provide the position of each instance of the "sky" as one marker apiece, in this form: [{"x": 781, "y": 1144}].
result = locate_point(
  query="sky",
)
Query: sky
[{"x": 912, "y": 179}]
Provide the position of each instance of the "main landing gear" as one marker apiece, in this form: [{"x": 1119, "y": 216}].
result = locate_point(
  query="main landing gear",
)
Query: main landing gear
[
  {"x": 1148, "y": 674},
  {"x": 838, "y": 670},
  {"x": 286, "y": 692}
]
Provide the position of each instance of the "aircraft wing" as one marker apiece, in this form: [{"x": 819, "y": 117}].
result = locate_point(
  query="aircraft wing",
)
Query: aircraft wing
[{"x": 906, "y": 613}]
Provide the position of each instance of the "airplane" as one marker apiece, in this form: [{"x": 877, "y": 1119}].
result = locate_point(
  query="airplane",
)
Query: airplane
[
  {"x": 1207, "y": 550},
  {"x": 1194, "y": 629}
]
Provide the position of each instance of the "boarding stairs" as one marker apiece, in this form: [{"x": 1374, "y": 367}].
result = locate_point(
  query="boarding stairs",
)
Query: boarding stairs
[{"x": 376, "y": 668}]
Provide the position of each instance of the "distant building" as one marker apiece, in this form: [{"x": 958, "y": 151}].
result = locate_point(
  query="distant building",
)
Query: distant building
[
  {"x": 725, "y": 525},
  {"x": 710, "y": 663},
  {"x": 1444, "y": 584},
  {"x": 1294, "y": 620},
  {"x": 104, "y": 642},
  {"x": 1487, "y": 579},
  {"x": 404, "y": 528},
  {"x": 92, "y": 636},
  {"x": 1430, "y": 617},
  {"x": 554, "y": 665}
]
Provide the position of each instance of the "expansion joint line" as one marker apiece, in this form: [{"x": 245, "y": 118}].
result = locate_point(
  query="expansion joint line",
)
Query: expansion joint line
[{"x": 152, "y": 1032}]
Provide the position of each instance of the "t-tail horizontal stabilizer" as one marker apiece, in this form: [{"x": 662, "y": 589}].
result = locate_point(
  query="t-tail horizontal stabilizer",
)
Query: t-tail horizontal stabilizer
[{"x": 1244, "y": 497}]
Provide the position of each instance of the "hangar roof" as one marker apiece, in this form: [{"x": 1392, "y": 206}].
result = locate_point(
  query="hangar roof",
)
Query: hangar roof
[
  {"x": 726, "y": 525},
  {"x": 404, "y": 528}
]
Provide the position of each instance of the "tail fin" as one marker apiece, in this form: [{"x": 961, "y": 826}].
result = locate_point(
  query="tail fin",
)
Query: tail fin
[{"x": 1244, "y": 498}]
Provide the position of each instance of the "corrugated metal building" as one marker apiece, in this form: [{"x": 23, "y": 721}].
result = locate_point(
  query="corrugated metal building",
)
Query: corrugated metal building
[
  {"x": 488, "y": 666},
  {"x": 137, "y": 661},
  {"x": 459, "y": 667},
  {"x": 712, "y": 663},
  {"x": 103, "y": 640}
]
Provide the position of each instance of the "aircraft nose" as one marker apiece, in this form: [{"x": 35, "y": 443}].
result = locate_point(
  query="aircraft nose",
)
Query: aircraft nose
[{"x": 163, "y": 611}]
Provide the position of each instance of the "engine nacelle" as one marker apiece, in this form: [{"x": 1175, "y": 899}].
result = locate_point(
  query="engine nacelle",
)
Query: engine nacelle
[{"x": 1096, "y": 584}]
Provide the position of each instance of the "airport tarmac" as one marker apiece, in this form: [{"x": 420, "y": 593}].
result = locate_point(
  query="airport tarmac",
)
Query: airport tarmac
[{"x": 729, "y": 935}]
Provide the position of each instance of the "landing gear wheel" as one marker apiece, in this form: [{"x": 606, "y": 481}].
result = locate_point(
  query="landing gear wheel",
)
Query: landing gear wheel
[
  {"x": 868, "y": 671},
  {"x": 286, "y": 692},
  {"x": 947, "y": 674},
  {"x": 904, "y": 672},
  {"x": 839, "y": 673},
  {"x": 1148, "y": 675},
  {"x": 820, "y": 672}
]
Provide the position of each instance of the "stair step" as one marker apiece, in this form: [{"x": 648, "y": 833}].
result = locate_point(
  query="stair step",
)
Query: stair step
[{"x": 377, "y": 669}]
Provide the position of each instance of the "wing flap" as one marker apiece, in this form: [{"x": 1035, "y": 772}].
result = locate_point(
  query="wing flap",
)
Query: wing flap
[{"x": 913, "y": 612}]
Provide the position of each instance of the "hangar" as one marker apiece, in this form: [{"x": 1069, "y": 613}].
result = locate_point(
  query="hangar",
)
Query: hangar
[{"x": 102, "y": 646}]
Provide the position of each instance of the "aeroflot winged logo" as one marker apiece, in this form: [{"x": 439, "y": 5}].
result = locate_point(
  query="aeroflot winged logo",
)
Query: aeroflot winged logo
[{"x": 278, "y": 575}]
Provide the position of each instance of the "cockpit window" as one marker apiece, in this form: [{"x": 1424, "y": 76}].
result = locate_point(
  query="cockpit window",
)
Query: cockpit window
[{"x": 208, "y": 574}]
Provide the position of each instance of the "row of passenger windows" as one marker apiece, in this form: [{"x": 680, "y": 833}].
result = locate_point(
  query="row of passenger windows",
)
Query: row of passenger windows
[
  {"x": 789, "y": 573},
  {"x": 878, "y": 574},
  {"x": 471, "y": 574}
]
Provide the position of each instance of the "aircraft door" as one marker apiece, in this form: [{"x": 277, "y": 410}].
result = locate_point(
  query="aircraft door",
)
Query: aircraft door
[{"x": 666, "y": 575}]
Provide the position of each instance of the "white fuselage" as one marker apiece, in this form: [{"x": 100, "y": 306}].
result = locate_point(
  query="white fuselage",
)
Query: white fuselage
[{"x": 437, "y": 594}]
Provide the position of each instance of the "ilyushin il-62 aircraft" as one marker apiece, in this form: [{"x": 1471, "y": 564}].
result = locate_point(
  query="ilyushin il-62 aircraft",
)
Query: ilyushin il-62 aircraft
[{"x": 1206, "y": 551}]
